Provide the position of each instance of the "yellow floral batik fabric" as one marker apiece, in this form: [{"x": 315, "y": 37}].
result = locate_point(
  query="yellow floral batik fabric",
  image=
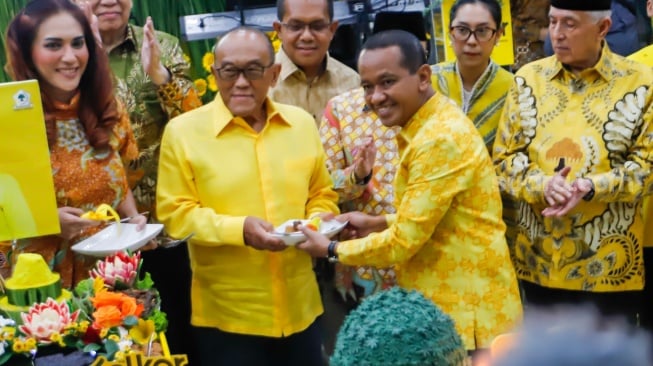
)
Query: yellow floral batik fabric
[
  {"x": 447, "y": 237},
  {"x": 347, "y": 121},
  {"x": 599, "y": 124}
]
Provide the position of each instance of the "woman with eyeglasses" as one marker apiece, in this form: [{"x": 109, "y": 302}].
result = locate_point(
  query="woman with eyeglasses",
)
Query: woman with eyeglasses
[{"x": 477, "y": 84}]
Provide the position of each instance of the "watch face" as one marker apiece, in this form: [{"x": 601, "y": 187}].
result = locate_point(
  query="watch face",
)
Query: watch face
[{"x": 589, "y": 195}]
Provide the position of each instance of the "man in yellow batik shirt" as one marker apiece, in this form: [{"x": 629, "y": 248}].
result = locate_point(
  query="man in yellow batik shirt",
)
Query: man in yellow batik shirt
[
  {"x": 574, "y": 148},
  {"x": 447, "y": 237},
  {"x": 309, "y": 76},
  {"x": 230, "y": 172},
  {"x": 645, "y": 56}
]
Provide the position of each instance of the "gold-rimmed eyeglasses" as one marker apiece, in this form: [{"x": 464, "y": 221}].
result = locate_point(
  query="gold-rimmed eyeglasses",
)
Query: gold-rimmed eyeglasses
[
  {"x": 314, "y": 27},
  {"x": 251, "y": 72},
  {"x": 462, "y": 33}
]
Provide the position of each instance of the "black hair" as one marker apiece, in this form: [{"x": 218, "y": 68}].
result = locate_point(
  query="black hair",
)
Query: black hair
[
  {"x": 412, "y": 53},
  {"x": 492, "y": 6},
  {"x": 281, "y": 9},
  {"x": 268, "y": 42}
]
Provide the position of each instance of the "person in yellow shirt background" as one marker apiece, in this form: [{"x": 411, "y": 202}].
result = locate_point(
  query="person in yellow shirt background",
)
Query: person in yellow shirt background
[
  {"x": 309, "y": 76},
  {"x": 645, "y": 56},
  {"x": 230, "y": 172},
  {"x": 476, "y": 83},
  {"x": 447, "y": 237},
  {"x": 573, "y": 148}
]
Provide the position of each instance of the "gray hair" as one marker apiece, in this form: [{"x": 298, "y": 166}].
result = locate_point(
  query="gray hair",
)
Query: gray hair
[{"x": 598, "y": 15}]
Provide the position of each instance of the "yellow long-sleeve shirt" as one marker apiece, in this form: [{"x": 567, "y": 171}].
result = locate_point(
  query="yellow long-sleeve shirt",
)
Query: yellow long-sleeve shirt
[
  {"x": 447, "y": 237},
  {"x": 214, "y": 171},
  {"x": 599, "y": 122}
]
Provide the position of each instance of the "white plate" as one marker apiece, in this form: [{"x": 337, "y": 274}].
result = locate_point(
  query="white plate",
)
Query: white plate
[
  {"x": 115, "y": 238},
  {"x": 328, "y": 228}
]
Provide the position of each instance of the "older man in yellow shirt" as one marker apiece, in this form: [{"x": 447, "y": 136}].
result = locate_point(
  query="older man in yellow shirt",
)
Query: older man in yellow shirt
[
  {"x": 229, "y": 172},
  {"x": 447, "y": 237},
  {"x": 574, "y": 150}
]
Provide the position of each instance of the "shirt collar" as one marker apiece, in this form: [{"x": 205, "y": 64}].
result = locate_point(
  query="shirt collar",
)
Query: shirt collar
[
  {"x": 223, "y": 116},
  {"x": 130, "y": 43},
  {"x": 603, "y": 67},
  {"x": 289, "y": 68}
]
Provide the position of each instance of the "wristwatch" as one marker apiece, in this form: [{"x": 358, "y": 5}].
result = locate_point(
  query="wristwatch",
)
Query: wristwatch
[
  {"x": 332, "y": 255},
  {"x": 364, "y": 181},
  {"x": 590, "y": 194}
]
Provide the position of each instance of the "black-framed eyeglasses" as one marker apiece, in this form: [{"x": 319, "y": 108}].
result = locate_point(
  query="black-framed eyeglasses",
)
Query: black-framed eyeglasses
[
  {"x": 462, "y": 33},
  {"x": 251, "y": 72},
  {"x": 318, "y": 26}
]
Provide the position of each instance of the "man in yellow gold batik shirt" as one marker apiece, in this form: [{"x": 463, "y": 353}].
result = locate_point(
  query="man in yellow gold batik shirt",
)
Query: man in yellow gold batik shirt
[
  {"x": 230, "y": 172},
  {"x": 574, "y": 148},
  {"x": 309, "y": 76},
  {"x": 447, "y": 237}
]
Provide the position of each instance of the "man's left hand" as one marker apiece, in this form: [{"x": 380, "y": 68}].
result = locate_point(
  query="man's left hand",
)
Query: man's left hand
[
  {"x": 151, "y": 55},
  {"x": 580, "y": 187},
  {"x": 316, "y": 244}
]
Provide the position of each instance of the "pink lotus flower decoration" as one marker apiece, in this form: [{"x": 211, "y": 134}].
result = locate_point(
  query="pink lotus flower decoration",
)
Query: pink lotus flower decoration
[
  {"x": 119, "y": 270},
  {"x": 45, "y": 319}
]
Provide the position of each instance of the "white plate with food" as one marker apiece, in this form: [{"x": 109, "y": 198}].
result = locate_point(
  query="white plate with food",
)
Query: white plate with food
[
  {"x": 117, "y": 237},
  {"x": 290, "y": 234}
]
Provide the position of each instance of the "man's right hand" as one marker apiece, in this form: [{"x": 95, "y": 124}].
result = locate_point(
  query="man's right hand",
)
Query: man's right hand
[
  {"x": 257, "y": 235},
  {"x": 557, "y": 191},
  {"x": 361, "y": 225},
  {"x": 364, "y": 158}
]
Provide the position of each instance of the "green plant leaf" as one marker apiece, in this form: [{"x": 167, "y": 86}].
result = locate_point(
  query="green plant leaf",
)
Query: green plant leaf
[
  {"x": 146, "y": 283},
  {"x": 111, "y": 347},
  {"x": 92, "y": 347},
  {"x": 130, "y": 321}
]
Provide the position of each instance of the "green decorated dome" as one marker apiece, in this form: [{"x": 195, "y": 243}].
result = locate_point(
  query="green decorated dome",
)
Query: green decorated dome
[{"x": 398, "y": 328}]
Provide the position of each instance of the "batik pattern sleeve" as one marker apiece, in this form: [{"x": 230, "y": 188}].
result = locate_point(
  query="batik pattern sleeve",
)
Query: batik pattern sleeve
[
  {"x": 179, "y": 94},
  {"x": 629, "y": 133},
  {"x": 339, "y": 158},
  {"x": 432, "y": 182},
  {"x": 519, "y": 177}
]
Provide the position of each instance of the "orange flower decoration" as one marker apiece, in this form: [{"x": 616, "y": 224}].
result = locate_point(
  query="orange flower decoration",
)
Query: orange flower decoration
[{"x": 111, "y": 308}]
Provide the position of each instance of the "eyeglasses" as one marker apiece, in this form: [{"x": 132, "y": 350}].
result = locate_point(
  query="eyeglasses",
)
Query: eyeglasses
[
  {"x": 315, "y": 27},
  {"x": 462, "y": 33},
  {"x": 251, "y": 72}
]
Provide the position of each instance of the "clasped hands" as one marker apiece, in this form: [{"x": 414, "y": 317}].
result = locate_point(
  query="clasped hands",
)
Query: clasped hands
[{"x": 562, "y": 196}]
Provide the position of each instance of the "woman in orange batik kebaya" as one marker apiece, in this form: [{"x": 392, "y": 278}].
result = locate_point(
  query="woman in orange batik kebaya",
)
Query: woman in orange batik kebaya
[{"x": 89, "y": 135}]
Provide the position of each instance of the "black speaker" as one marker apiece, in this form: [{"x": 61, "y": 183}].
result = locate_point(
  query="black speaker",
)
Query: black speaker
[
  {"x": 409, "y": 21},
  {"x": 248, "y": 4},
  {"x": 345, "y": 44}
]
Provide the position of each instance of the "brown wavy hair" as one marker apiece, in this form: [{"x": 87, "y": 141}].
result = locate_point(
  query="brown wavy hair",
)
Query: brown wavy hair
[{"x": 98, "y": 109}]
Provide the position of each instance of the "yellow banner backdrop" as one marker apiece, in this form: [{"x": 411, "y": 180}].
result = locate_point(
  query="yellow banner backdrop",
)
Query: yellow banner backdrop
[
  {"x": 503, "y": 53},
  {"x": 28, "y": 206}
]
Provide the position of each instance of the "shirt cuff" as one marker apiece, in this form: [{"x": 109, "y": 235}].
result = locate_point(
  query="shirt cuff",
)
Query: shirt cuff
[
  {"x": 170, "y": 90},
  {"x": 390, "y": 219},
  {"x": 231, "y": 230}
]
